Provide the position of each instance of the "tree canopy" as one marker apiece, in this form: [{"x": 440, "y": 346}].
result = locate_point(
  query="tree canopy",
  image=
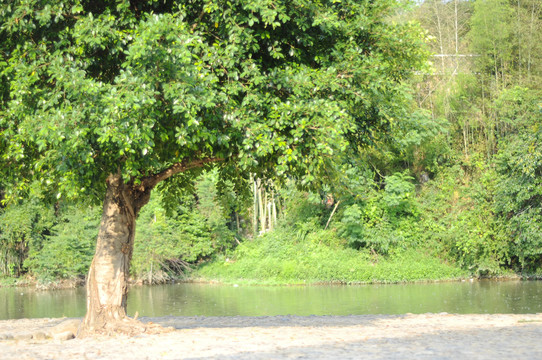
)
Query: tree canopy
[{"x": 273, "y": 87}]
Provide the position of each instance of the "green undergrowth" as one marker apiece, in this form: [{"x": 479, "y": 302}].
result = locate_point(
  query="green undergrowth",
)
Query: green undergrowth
[
  {"x": 278, "y": 259},
  {"x": 7, "y": 281}
]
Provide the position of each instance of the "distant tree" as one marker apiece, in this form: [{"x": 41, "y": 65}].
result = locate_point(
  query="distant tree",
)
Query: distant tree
[
  {"x": 22, "y": 228},
  {"x": 491, "y": 34},
  {"x": 528, "y": 42},
  {"x": 106, "y": 100},
  {"x": 518, "y": 198}
]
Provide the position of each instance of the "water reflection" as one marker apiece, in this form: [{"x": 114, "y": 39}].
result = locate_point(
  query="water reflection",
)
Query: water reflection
[
  {"x": 219, "y": 300},
  {"x": 28, "y": 303}
]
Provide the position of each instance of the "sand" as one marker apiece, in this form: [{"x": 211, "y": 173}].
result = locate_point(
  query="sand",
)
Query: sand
[{"x": 422, "y": 336}]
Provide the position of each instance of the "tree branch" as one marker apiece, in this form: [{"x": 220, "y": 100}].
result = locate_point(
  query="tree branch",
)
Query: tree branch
[
  {"x": 153, "y": 180},
  {"x": 195, "y": 24}
]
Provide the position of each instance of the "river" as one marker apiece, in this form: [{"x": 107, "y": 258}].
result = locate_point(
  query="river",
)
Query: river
[{"x": 476, "y": 297}]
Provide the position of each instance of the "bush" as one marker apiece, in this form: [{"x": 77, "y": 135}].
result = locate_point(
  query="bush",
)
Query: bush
[
  {"x": 67, "y": 252},
  {"x": 372, "y": 222},
  {"x": 277, "y": 258},
  {"x": 458, "y": 223},
  {"x": 363, "y": 232},
  {"x": 519, "y": 197},
  {"x": 23, "y": 228},
  {"x": 398, "y": 194},
  {"x": 167, "y": 244}
]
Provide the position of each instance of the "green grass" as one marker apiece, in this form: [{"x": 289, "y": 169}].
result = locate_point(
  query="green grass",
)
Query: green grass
[{"x": 278, "y": 259}]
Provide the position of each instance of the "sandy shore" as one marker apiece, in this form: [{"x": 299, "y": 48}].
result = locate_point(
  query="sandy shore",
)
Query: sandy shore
[{"x": 426, "y": 336}]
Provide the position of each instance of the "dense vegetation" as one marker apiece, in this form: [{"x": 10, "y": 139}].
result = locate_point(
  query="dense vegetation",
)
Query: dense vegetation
[{"x": 453, "y": 188}]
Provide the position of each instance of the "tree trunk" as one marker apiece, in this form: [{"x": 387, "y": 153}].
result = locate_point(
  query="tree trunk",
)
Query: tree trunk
[
  {"x": 261, "y": 206},
  {"x": 107, "y": 283},
  {"x": 255, "y": 208},
  {"x": 439, "y": 30}
]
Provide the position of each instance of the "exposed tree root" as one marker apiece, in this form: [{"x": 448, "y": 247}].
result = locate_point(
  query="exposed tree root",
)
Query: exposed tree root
[{"x": 126, "y": 326}]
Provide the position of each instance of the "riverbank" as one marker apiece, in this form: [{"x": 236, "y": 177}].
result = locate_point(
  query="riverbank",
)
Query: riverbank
[
  {"x": 33, "y": 283},
  {"x": 425, "y": 336}
]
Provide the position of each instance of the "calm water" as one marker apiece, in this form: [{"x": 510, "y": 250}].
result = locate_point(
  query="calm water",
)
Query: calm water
[{"x": 220, "y": 300}]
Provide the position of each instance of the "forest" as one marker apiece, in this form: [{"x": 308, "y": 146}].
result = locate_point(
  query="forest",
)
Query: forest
[{"x": 449, "y": 188}]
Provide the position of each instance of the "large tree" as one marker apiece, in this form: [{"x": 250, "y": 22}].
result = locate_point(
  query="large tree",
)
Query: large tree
[{"x": 107, "y": 99}]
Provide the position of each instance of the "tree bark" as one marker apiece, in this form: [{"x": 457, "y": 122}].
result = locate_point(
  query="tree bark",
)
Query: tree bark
[
  {"x": 255, "y": 208},
  {"x": 439, "y": 30},
  {"x": 107, "y": 283}
]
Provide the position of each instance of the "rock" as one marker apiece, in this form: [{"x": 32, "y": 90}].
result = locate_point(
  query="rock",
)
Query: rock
[
  {"x": 66, "y": 335},
  {"x": 61, "y": 330},
  {"x": 39, "y": 336},
  {"x": 67, "y": 325},
  {"x": 22, "y": 337}
]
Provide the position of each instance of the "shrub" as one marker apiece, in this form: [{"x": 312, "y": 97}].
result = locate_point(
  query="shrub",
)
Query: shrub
[{"x": 67, "y": 251}]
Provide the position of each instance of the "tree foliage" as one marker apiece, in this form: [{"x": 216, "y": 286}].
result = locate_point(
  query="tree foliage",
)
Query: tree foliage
[
  {"x": 23, "y": 227},
  {"x": 278, "y": 88},
  {"x": 519, "y": 192},
  {"x": 171, "y": 241},
  {"x": 67, "y": 250}
]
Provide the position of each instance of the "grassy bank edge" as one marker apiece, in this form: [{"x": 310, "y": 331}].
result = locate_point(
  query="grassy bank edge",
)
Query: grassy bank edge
[
  {"x": 70, "y": 284},
  {"x": 292, "y": 268}
]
